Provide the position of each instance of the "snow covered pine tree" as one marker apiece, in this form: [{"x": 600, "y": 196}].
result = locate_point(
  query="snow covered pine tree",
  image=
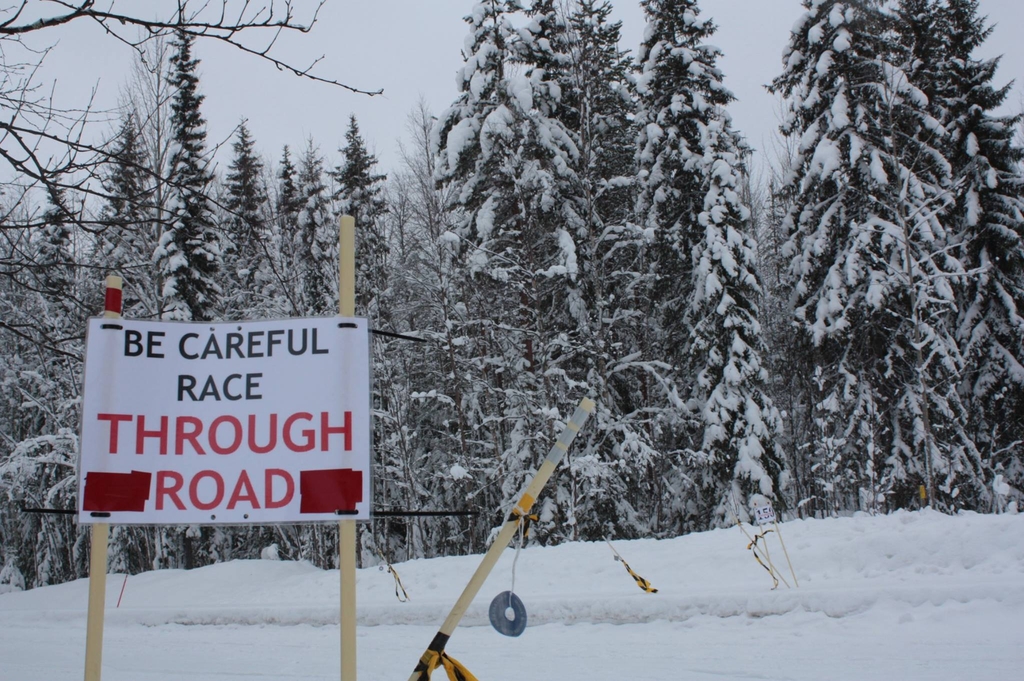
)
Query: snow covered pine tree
[{"x": 704, "y": 256}]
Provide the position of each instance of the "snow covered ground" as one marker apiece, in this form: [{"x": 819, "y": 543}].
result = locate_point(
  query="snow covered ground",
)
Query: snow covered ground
[{"x": 908, "y": 596}]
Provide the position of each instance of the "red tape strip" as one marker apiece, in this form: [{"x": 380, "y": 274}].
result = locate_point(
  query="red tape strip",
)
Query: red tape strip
[
  {"x": 112, "y": 301},
  {"x": 108, "y": 492},
  {"x": 331, "y": 490}
]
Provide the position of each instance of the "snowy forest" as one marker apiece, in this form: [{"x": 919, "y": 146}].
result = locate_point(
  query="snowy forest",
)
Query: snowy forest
[{"x": 841, "y": 331}]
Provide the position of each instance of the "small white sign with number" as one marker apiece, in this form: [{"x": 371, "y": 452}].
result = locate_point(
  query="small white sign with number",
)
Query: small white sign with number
[{"x": 764, "y": 514}]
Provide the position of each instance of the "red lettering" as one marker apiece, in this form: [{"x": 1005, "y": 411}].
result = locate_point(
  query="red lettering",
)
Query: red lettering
[
  {"x": 297, "y": 433},
  {"x": 249, "y": 495},
  {"x": 181, "y": 436},
  {"x": 268, "y": 491},
  {"x": 114, "y": 420},
  {"x": 171, "y": 491},
  {"x": 193, "y": 490},
  {"x": 141, "y": 434},
  {"x": 233, "y": 447},
  {"x": 308, "y": 433},
  {"x": 326, "y": 431},
  {"x": 258, "y": 449}
]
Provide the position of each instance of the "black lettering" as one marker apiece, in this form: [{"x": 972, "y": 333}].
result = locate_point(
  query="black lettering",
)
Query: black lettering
[
  {"x": 291, "y": 345},
  {"x": 181, "y": 346},
  {"x": 185, "y": 385},
  {"x": 271, "y": 342},
  {"x": 227, "y": 383},
  {"x": 210, "y": 388},
  {"x": 235, "y": 343},
  {"x": 132, "y": 343},
  {"x": 153, "y": 342},
  {"x": 255, "y": 341},
  {"x": 212, "y": 348},
  {"x": 316, "y": 350},
  {"x": 251, "y": 385}
]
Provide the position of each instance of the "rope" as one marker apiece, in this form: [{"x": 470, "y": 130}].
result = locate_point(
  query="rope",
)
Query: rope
[
  {"x": 455, "y": 670},
  {"x": 752, "y": 547},
  {"x": 403, "y": 597},
  {"x": 400, "y": 592},
  {"x": 640, "y": 581},
  {"x": 524, "y": 533}
]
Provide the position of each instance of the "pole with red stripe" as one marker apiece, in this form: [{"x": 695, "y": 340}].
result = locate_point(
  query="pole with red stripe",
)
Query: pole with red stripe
[{"x": 100, "y": 535}]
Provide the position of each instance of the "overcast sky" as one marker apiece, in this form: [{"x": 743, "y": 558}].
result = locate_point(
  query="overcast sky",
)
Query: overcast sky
[{"x": 412, "y": 49}]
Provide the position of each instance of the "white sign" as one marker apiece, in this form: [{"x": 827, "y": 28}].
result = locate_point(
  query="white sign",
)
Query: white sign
[
  {"x": 764, "y": 514},
  {"x": 219, "y": 423}
]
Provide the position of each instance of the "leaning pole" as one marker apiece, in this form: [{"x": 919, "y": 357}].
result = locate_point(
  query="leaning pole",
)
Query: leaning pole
[{"x": 435, "y": 656}]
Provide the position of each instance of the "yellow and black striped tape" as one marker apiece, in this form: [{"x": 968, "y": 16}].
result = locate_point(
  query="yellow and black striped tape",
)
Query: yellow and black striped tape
[
  {"x": 640, "y": 581},
  {"x": 455, "y": 670}
]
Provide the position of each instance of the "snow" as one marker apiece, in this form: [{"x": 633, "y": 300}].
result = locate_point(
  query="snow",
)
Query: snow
[
  {"x": 816, "y": 33},
  {"x": 824, "y": 64},
  {"x": 877, "y": 169},
  {"x": 843, "y": 41},
  {"x": 521, "y": 91},
  {"x": 835, "y": 17},
  {"x": 913, "y": 596},
  {"x": 459, "y": 138},
  {"x": 972, "y": 145},
  {"x": 826, "y": 159},
  {"x": 841, "y": 111},
  {"x": 495, "y": 125}
]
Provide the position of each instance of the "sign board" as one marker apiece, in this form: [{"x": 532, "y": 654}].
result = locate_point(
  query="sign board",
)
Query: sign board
[
  {"x": 222, "y": 423},
  {"x": 764, "y": 514}
]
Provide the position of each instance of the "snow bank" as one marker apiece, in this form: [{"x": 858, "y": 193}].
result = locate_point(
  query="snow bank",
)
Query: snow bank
[{"x": 957, "y": 581}]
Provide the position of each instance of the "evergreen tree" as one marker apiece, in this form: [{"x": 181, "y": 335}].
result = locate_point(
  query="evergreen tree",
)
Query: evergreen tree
[
  {"x": 123, "y": 246},
  {"x": 668, "y": 202},
  {"x": 511, "y": 165},
  {"x": 40, "y": 376},
  {"x": 189, "y": 252},
  {"x": 704, "y": 260},
  {"x": 54, "y": 259},
  {"x": 359, "y": 193},
  {"x": 870, "y": 270},
  {"x": 287, "y": 197},
  {"x": 597, "y": 105},
  {"x": 987, "y": 221},
  {"x": 611, "y": 480},
  {"x": 246, "y": 225},
  {"x": 317, "y": 237},
  {"x": 286, "y": 240}
]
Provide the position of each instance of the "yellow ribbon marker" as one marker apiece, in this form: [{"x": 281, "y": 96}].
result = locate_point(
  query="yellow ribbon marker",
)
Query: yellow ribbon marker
[
  {"x": 640, "y": 581},
  {"x": 455, "y": 669},
  {"x": 402, "y": 597},
  {"x": 524, "y": 519}
]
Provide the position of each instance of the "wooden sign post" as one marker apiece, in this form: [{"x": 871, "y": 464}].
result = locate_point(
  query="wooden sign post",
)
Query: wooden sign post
[
  {"x": 347, "y": 528},
  {"x": 100, "y": 534},
  {"x": 160, "y": 397}
]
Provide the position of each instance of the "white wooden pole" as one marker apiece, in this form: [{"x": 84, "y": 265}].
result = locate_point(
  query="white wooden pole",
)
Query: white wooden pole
[
  {"x": 779, "y": 532},
  {"x": 98, "y": 543},
  {"x": 347, "y": 528}
]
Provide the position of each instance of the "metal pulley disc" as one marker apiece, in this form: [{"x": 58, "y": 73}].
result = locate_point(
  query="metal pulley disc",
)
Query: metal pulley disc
[{"x": 508, "y": 614}]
